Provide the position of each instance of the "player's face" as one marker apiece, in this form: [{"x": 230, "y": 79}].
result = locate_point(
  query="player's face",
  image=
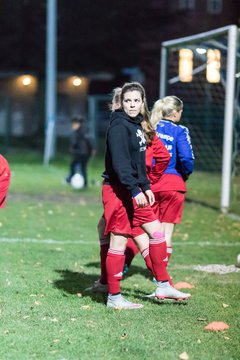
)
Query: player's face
[
  {"x": 132, "y": 103},
  {"x": 76, "y": 125}
]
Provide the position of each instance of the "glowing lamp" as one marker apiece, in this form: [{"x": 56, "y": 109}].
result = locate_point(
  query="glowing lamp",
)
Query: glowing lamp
[
  {"x": 76, "y": 81},
  {"x": 185, "y": 65},
  {"x": 26, "y": 81},
  {"x": 213, "y": 65}
]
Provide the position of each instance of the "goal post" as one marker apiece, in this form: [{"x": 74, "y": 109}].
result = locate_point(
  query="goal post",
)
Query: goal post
[
  {"x": 210, "y": 103},
  {"x": 229, "y": 118}
]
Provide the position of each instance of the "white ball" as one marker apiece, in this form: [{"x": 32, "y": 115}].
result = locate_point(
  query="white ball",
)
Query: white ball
[{"x": 77, "y": 181}]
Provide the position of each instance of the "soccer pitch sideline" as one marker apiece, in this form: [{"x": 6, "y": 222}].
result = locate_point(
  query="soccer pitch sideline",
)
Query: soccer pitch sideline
[{"x": 49, "y": 255}]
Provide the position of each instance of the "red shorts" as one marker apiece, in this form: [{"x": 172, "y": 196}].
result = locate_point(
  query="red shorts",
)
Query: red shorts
[
  {"x": 137, "y": 231},
  {"x": 4, "y": 180},
  {"x": 121, "y": 212},
  {"x": 168, "y": 206}
]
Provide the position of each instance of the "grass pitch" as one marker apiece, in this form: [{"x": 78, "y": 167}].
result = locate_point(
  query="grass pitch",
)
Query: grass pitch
[{"x": 50, "y": 254}]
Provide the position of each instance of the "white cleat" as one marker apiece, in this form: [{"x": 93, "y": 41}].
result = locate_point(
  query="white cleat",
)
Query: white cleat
[
  {"x": 150, "y": 295},
  {"x": 98, "y": 287},
  {"x": 170, "y": 293},
  {"x": 119, "y": 303}
]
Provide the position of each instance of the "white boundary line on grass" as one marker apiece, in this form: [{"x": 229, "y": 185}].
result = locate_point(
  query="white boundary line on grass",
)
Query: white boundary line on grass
[
  {"x": 44, "y": 241},
  {"x": 84, "y": 242}
]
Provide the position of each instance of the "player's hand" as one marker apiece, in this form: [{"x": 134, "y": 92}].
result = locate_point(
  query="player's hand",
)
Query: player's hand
[
  {"x": 141, "y": 200},
  {"x": 150, "y": 196}
]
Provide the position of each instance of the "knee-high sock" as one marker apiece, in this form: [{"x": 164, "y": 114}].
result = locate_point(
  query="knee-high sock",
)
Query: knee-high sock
[
  {"x": 158, "y": 252},
  {"x": 169, "y": 253},
  {"x": 104, "y": 246},
  {"x": 114, "y": 266},
  {"x": 131, "y": 251},
  {"x": 147, "y": 259}
]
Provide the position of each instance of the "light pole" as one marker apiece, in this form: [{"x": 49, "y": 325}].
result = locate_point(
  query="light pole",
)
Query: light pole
[{"x": 51, "y": 70}]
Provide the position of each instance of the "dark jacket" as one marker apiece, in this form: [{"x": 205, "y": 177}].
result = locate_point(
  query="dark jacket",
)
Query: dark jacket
[
  {"x": 125, "y": 153},
  {"x": 80, "y": 143}
]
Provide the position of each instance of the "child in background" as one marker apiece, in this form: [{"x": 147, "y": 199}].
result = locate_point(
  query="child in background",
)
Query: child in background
[{"x": 81, "y": 149}]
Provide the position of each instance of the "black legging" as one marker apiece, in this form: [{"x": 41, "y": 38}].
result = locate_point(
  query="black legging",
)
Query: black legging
[{"x": 79, "y": 164}]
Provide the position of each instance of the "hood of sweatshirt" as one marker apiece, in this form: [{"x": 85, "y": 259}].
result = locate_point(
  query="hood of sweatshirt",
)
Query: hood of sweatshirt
[{"x": 120, "y": 115}]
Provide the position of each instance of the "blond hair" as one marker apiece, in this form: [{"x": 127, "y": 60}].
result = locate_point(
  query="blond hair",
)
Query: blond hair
[
  {"x": 163, "y": 108},
  {"x": 116, "y": 99}
]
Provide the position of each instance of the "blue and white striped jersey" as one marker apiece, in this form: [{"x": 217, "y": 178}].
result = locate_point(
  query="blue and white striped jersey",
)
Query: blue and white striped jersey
[{"x": 177, "y": 141}]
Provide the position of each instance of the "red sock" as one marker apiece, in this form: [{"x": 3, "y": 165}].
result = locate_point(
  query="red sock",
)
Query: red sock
[
  {"x": 114, "y": 266},
  {"x": 146, "y": 256},
  {"x": 158, "y": 252},
  {"x": 104, "y": 246},
  {"x": 130, "y": 252},
  {"x": 169, "y": 253}
]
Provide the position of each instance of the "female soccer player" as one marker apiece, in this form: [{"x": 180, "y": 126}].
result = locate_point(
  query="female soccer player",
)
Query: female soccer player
[
  {"x": 170, "y": 190},
  {"x": 127, "y": 197},
  {"x": 157, "y": 158}
]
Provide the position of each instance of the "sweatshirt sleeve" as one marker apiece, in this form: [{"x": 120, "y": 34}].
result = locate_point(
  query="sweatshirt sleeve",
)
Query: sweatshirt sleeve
[
  {"x": 161, "y": 159},
  {"x": 121, "y": 157},
  {"x": 184, "y": 151}
]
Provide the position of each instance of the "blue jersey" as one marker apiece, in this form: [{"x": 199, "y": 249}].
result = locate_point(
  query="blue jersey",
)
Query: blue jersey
[{"x": 177, "y": 141}]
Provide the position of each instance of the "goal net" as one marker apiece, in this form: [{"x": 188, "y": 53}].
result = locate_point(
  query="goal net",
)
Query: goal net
[{"x": 204, "y": 72}]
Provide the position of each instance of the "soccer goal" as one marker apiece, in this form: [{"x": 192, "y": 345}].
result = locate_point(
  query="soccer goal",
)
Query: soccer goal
[{"x": 204, "y": 71}]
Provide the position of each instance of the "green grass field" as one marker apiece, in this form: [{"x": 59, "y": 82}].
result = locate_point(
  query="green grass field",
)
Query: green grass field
[{"x": 50, "y": 254}]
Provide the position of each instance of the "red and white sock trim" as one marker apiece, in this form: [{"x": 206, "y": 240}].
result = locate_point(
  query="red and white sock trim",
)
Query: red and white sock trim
[
  {"x": 145, "y": 253},
  {"x": 156, "y": 241},
  {"x": 116, "y": 252}
]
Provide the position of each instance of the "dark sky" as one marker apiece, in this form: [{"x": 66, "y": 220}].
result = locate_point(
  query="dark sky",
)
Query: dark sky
[
  {"x": 92, "y": 35},
  {"x": 101, "y": 35}
]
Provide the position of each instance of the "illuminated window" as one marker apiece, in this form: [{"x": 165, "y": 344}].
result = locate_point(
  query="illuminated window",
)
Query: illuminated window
[
  {"x": 185, "y": 65},
  {"x": 214, "y": 6},
  {"x": 213, "y": 65},
  {"x": 187, "y": 4}
]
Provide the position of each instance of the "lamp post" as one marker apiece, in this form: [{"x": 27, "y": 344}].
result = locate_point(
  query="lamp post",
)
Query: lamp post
[{"x": 51, "y": 66}]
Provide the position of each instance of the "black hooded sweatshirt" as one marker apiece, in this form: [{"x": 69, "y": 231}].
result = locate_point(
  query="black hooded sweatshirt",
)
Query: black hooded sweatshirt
[{"x": 125, "y": 153}]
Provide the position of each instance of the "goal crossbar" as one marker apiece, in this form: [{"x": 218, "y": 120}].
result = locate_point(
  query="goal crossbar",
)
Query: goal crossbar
[{"x": 232, "y": 33}]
